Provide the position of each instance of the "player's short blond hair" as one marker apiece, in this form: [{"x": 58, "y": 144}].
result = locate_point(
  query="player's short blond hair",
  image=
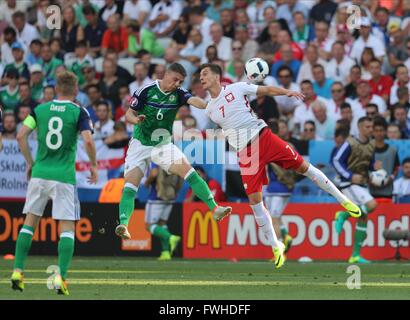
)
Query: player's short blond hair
[{"x": 67, "y": 83}]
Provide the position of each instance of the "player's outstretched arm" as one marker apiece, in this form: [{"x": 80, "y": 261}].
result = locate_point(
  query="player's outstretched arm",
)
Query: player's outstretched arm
[
  {"x": 89, "y": 146},
  {"x": 132, "y": 117},
  {"x": 22, "y": 139},
  {"x": 277, "y": 91},
  {"x": 197, "y": 102}
]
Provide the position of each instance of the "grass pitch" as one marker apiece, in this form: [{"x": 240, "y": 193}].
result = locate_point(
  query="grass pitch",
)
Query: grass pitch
[{"x": 149, "y": 279}]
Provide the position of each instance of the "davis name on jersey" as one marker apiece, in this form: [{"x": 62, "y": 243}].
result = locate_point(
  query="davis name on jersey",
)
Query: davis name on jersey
[{"x": 232, "y": 112}]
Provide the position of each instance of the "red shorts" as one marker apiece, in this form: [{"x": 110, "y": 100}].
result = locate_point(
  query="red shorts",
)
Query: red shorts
[{"x": 263, "y": 150}]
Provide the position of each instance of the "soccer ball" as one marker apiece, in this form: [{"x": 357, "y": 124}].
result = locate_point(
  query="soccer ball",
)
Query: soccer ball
[
  {"x": 379, "y": 178},
  {"x": 256, "y": 69}
]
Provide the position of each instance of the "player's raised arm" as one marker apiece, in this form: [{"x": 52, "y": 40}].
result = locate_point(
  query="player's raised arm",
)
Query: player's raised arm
[
  {"x": 277, "y": 91},
  {"x": 197, "y": 102}
]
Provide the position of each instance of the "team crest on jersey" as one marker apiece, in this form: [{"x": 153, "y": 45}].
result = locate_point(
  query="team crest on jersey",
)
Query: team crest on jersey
[
  {"x": 230, "y": 97},
  {"x": 133, "y": 101},
  {"x": 172, "y": 98}
]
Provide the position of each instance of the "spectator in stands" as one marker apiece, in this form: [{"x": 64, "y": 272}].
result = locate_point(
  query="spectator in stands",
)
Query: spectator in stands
[
  {"x": 49, "y": 94},
  {"x": 287, "y": 60},
  {"x": 309, "y": 132},
  {"x": 372, "y": 111},
  {"x": 226, "y": 79},
  {"x": 303, "y": 111},
  {"x": 104, "y": 126},
  {"x": 324, "y": 124},
  {"x": 344, "y": 36},
  {"x": 119, "y": 139},
  {"x": 311, "y": 58},
  {"x": 407, "y": 62},
  {"x": 237, "y": 50},
  {"x": 222, "y": 43},
  {"x": 215, "y": 9},
  {"x": 322, "y": 85},
  {"x": 400, "y": 118},
  {"x": 388, "y": 157},
  {"x": 323, "y": 10},
  {"x": 9, "y": 7},
  {"x": 380, "y": 84},
  {"x": 266, "y": 108},
  {"x": 404, "y": 98},
  {"x": 195, "y": 48},
  {"x": 18, "y": 63},
  {"x": 121, "y": 72},
  {"x": 402, "y": 80},
  {"x": 227, "y": 23},
  {"x": 159, "y": 72},
  {"x": 393, "y": 131},
  {"x": 110, "y": 83},
  {"x": 82, "y": 58},
  {"x": 71, "y": 32},
  {"x": 111, "y": 8},
  {"x": 22, "y": 112},
  {"x": 36, "y": 82},
  {"x": 213, "y": 185},
  {"x": 90, "y": 76},
  {"x": 9, "y": 95},
  {"x": 401, "y": 186},
  {"x": 141, "y": 77},
  {"x": 286, "y": 105},
  {"x": 137, "y": 10},
  {"x": 94, "y": 31},
  {"x": 50, "y": 63},
  {"x": 124, "y": 94},
  {"x": 286, "y": 10},
  {"x": 115, "y": 37},
  {"x": 338, "y": 98},
  {"x": 9, "y": 37},
  {"x": 25, "y": 31},
  {"x": 141, "y": 38},
  {"x": 241, "y": 18},
  {"x": 34, "y": 56},
  {"x": 249, "y": 46},
  {"x": 181, "y": 34},
  {"x": 364, "y": 97},
  {"x": 55, "y": 45},
  {"x": 340, "y": 64},
  {"x": 322, "y": 40},
  {"x": 256, "y": 12},
  {"x": 25, "y": 95},
  {"x": 397, "y": 51},
  {"x": 367, "y": 57},
  {"x": 367, "y": 39},
  {"x": 94, "y": 94},
  {"x": 239, "y": 71},
  {"x": 284, "y": 37},
  {"x": 198, "y": 20},
  {"x": 302, "y": 32},
  {"x": 164, "y": 17},
  {"x": 346, "y": 116},
  {"x": 354, "y": 78},
  {"x": 9, "y": 126}
]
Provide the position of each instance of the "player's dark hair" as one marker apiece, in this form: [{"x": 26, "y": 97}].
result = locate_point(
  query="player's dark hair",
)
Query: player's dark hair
[
  {"x": 178, "y": 68},
  {"x": 379, "y": 121},
  {"x": 343, "y": 131},
  {"x": 405, "y": 160},
  {"x": 213, "y": 67},
  {"x": 363, "y": 119}
]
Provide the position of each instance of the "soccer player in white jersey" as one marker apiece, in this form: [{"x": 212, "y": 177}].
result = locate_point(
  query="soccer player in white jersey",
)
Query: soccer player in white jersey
[{"x": 257, "y": 146}]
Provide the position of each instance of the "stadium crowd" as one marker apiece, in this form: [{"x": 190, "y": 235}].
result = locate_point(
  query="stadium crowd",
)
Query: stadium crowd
[{"x": 116, "y": 47}]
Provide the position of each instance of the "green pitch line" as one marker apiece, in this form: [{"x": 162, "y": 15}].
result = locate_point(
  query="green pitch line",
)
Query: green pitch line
[{"x": 146, "y": 278}]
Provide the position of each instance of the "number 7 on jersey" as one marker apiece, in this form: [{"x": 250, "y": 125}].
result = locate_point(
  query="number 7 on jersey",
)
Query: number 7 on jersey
[{"x": 222, "y": 108}]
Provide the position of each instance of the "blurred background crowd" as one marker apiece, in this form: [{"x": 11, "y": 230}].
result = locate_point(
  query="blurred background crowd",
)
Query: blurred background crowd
[{"x": 116, "y": 47}]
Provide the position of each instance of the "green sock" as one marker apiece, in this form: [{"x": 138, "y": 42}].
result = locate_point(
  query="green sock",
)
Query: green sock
[
  {"x": 365, "y": 209},
  {"x": 359, "y": 237},
  {"x": 127, "y": 204},
  {"x": 163, "y": 234},
  {"x": 23, "y": 245},
  {"x": 201, "y": 189},
  {"x": 65, "y": 252},
  {"x": 283, "y": 231},
  {"x": 344, "y": 215}
]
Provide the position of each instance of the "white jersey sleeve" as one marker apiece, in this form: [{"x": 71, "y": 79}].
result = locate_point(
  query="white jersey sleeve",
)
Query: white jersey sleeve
[{"x": 232, "y": 112}]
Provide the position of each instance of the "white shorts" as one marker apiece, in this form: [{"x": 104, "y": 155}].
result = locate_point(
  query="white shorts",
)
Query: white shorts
[
  {"x": 276, "y": 205},
  {"x": 66, "y": 205},
  {"x": 358, "y": 194},
  {"x": 139, "y": 156},
  {"x": 157, "y": 210}
]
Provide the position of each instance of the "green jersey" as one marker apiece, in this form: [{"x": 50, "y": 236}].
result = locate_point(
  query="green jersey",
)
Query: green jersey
[
  {"x": 160, "y": 109},
  {"x": 58, "y": 123},
  {"x": 9, "y": 99}
]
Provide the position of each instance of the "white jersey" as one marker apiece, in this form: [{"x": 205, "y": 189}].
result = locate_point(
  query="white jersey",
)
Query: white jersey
[{"x": 232, "y": 112}]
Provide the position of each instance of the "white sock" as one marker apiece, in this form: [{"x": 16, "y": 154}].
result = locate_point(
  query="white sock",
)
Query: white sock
[
  {"x": 264, "y": 222},
  {"x": 319, "y": 178}
]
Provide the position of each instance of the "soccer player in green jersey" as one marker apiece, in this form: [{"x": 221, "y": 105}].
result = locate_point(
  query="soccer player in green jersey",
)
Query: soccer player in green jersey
[
  {"x": 52, "y": 174},
  {"x": 153, "y": 109}
]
